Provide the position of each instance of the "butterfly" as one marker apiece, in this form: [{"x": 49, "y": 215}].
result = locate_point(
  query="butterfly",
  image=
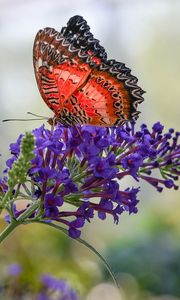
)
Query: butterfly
[{"x": 78, "y": 82}]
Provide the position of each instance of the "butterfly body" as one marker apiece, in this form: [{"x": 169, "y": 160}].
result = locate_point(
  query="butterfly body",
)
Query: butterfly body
[{"x": 77, "y": 81}]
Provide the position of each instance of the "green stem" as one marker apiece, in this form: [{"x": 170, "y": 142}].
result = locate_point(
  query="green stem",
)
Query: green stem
[
  {"x": 22, "y": 219},
  {"x": 85, "y": 244},
  {"x": 5, "y": 199},
  {"x": 79, "y": 176},
  {"x": 8, "y": 230},
  {"x": 28, "y": 212}
]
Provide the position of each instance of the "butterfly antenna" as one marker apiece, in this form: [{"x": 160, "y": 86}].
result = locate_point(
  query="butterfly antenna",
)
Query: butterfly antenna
[
  {"x": 31, "y": 119},
  {"x": 8, "y": 120},
  {"x": 32, "y": 114}
]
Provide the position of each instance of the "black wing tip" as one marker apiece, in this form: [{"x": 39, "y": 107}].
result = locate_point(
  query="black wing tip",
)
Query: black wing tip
[
  {"x": 75, "y": 24},
  {"x": 76, "y": 19},
  {"x": 77, "y": 32}
]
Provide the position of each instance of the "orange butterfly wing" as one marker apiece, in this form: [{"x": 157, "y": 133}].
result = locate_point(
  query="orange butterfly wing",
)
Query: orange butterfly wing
[{"x": 77, "y": 81}]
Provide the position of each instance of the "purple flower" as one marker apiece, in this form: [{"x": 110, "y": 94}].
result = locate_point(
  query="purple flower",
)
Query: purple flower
[
  {"x": 3, "y": 185},
  {"x": 132, "y": 163},
  {"x": 15, "y": 147},
  {"x": 74, "y": 232},
  {"x": 85, "y": 211},
  {"x": 10, "y": 162},
  {"x": 60, "y": 288},
  {"x": 83, "y": 166},
  {"x": 45, "y": 174},
  {"x": 77, "y": 223},
  {"x": 105, "y": 206},
  {"x": 49, "y": 287},
  {"x": 15, "y": 150},
  {"x": 14, "y": 269},
  {"x": 157, "y": 127},
  {"x": 103, "y": 169},
  {"x": 52, "y": 200}
]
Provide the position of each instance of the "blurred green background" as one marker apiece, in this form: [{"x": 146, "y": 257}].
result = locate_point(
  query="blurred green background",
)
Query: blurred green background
[{"x": 144, "y": 249}]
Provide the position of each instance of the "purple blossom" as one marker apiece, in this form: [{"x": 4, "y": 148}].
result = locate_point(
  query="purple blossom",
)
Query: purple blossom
[
  {"x": 132, "y": 163},
  {"x": 74, "y": 232},
  {"x": 52, "y": 200},
  {"x": 60, "y": 288},
  {"x": 103, "y": 169},
  {"x": 51, "y": 204},
  {"x": 49, "y": 287},
  {"x": 15, "y": 150},
  {"x": 15, "y": 147},
  {"x": 3, "y": 185},
  {"x": 157, "y": 127},
  {"x": 84, "y": 166},
  {"x": 14, "y": 269}
]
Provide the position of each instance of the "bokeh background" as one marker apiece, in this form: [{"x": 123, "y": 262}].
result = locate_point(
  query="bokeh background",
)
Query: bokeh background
[{"x": 144, "y": 249}]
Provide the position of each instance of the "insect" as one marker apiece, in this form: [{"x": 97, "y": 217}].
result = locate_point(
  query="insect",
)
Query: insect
[{"x": 77, "y": 81}]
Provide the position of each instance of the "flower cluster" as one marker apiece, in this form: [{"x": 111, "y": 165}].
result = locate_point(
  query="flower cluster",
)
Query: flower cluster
[
  {"x": 16, "y": 285},
  {"x": 55, "y": 287},
  {"x": 83, "y": 166}
]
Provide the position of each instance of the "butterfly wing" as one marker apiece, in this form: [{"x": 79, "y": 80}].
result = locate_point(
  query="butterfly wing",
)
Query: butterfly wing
[
  {"x": 78, "y": 82},
  {"x": 109, "y": 97},
  {"x": 62, "y": 61}
]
